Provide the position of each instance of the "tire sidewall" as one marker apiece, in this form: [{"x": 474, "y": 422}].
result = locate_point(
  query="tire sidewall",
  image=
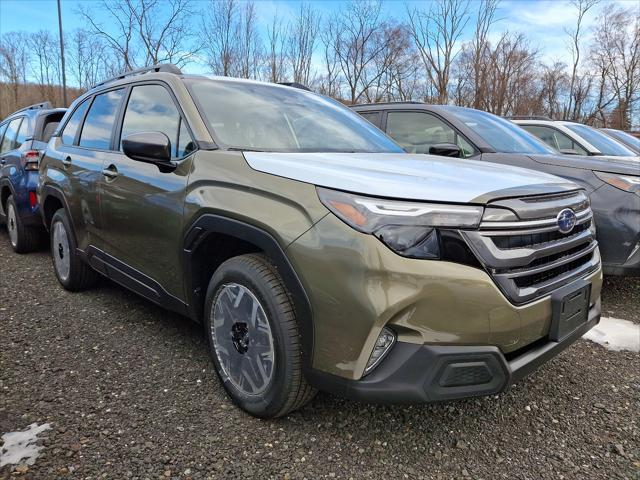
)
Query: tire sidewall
[
  {"x": 11, "y": 205},
  {"x": 268, "y": 403}
]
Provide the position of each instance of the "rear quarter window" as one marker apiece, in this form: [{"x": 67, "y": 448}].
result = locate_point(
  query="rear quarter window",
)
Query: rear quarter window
[{"x": 71, "y": 129}]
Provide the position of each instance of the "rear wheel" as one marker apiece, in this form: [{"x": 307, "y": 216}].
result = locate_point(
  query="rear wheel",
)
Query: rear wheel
[
  {"x": 72, "y": 272},
  {"x": 253, "y": 337},
  {"x": 23, "y": 239}
]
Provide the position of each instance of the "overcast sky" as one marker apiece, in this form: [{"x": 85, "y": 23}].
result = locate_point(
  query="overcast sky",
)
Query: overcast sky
[{"x": 543, "y": 21}]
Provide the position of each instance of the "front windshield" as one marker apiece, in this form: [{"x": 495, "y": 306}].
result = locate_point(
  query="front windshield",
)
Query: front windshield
[
  {"x": 502, "y": 135},
  {"x": 605, "y": 144},
  {"x": 624, "y": 137},
  {"x": 263, "y": 117}
]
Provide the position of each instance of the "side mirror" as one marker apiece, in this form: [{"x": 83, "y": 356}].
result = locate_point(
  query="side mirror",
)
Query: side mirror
[
  {"x": 569, "y": 151},
  {"x": 149, "y": 147},
  {"x": 445, "y": 150}
]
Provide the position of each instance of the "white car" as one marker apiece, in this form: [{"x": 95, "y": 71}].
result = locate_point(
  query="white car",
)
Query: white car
[{"x": 574, "y": 138}]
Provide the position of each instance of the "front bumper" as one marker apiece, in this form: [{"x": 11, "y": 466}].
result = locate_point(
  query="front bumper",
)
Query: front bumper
[
  {"x": 616, "y": 214},
  {"x": 413, "y": 373}
]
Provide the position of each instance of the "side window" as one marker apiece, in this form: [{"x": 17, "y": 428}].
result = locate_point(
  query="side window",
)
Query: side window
[
  {"x": 185, "y": 145},
  {"x": 8, "y": 141},
  {"x": 23, "y": 133},
  {"x": 545, "y": 134},
  {"x": 71, "y": 128},
  {"x": 3, "y": 127},
  {"x": 151, "y": 108},
  {"x": 372, "y": 117},
  {"x": 564, "y": 141},
  {"x": 98, "y": 126},
  {"x": 416, "y": 132},
  {"x": 554, "y": 138}
]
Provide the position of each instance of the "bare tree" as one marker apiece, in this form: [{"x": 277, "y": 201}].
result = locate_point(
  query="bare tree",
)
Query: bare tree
[
  {"x": 302, "y": 41},
  {"x": 617, "y": 45},
  {"x": 512, "y": 77},
  {"x": 89, "y": 59},
  {"x": 582, "y": 7},
  {"x": 436, "y": 33},
  {"x": 484, "y": 20},
  {"x": 14, "y": 60},
  {"x": 145, "y": 32},
  {"x": 249, "y": 44},
  {"x": 275, "y": 54},
  {"x": 355, "y": 37},
  {"x": 45, "y": 66},
  {"x": 554, "y": 85}
]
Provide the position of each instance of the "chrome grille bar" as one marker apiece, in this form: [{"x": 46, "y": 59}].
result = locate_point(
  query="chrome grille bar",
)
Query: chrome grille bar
[{"x": 530, "y": 257}]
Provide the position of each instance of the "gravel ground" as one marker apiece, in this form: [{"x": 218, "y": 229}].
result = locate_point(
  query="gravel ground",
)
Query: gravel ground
[{"x": 129, "y": 392}]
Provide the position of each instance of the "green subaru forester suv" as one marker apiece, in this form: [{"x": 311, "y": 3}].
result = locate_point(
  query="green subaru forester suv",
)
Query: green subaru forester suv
[{"x": 315, "y": 252}]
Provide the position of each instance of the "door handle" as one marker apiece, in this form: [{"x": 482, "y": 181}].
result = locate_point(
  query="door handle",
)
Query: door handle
[
  {"x": 110, "y": 172},
  {"x": 66, "y": 162}
]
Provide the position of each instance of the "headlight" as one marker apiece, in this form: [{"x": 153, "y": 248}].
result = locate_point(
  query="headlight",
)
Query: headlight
[
  {"x": 628, "y": 183},
  {"x": 408, "y": 228}
]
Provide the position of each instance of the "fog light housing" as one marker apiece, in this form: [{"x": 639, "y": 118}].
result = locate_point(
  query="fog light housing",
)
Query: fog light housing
[{"x": 383, "y": 345}]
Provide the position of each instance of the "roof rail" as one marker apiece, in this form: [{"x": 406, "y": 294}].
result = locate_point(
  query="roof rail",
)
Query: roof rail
[
  {"x": 160, "y": 67},
  {"x": 35, "y": 106},
  {"x": 295, "y": 85},
  {"x": 529, "y": 117},
  {"x": 373, "y": 104}
]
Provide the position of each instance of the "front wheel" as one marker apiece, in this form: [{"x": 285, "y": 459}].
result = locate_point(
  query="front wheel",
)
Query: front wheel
[
  {"x": 72, "y": 272},
  {"x": 253, "y": 337}
]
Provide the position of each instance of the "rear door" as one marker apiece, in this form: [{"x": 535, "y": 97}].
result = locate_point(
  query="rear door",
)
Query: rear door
[
  {"x": 82, "y": 148},
  {"x": 142, "y": 207}
]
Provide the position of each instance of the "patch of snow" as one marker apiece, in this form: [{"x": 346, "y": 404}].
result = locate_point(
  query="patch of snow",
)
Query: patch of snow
[
  {"x": 20, "y": 447},
  {"x": 616, "y": 334}
]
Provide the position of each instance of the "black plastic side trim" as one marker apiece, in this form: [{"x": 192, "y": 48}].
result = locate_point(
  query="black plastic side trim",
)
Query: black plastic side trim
[
  {"x": 133, "y": 279},
  {"x": 212, "y": 224}
]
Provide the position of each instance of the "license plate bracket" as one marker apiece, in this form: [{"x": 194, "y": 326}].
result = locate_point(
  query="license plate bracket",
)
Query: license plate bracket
[{"x": 570, "y": 306}]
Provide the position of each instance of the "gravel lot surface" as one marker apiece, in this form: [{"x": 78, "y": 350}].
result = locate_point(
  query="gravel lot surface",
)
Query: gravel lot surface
[{"x": 129, "y": 392}]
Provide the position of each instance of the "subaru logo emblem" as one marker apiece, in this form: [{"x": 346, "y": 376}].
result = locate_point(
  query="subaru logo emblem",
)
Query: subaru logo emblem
[{"x": 566, "y": 220}]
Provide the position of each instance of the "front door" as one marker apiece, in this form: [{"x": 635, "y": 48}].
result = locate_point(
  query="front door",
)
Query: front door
[{"x": 142, "y": 207}]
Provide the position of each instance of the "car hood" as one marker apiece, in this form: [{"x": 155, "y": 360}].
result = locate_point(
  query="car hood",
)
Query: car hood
[
  {"x": 621, "y": 165},
  {"x": 408, "y": 176}
]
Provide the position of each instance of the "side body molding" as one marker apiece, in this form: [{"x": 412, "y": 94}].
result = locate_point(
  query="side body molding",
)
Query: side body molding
[{"x": 210, "y": 224}]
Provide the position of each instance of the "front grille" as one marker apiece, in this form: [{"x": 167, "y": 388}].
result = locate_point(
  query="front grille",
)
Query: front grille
[
  {"x": 536, "y": 278},
  {"x": 531, "y": 239},
  {"x": 531, "y": 257}
]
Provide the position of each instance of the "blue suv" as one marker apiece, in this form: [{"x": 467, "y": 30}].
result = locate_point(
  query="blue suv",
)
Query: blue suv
[{"x": 23, "y": 137}]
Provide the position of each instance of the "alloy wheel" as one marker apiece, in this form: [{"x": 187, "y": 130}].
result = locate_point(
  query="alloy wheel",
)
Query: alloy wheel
[
  {"x": 60, "y": 251},
  {"x": 242, "y": 339}
]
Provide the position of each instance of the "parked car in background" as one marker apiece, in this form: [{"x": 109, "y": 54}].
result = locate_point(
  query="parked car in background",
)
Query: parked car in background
[
  {"x": 575, "y": 138},
  {"x": 612, "y": 183},
  {"x": 317, "y": 253},
  {"x": 631, "y": 142},
  {"x": 23, "y": 137}
]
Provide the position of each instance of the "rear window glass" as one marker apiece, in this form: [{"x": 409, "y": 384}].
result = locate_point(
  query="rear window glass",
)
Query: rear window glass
[{"x": 99, "y": 123}]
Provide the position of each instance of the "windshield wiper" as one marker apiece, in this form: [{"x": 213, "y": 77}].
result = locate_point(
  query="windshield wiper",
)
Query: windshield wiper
[{"x": 240, "y": 149}]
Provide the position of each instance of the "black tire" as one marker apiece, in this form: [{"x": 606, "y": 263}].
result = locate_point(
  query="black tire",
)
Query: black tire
[
  {"x": 23, "y": 239},
  {"x": 76, "y": 275},
  {"x": 287, "y": 389}
]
